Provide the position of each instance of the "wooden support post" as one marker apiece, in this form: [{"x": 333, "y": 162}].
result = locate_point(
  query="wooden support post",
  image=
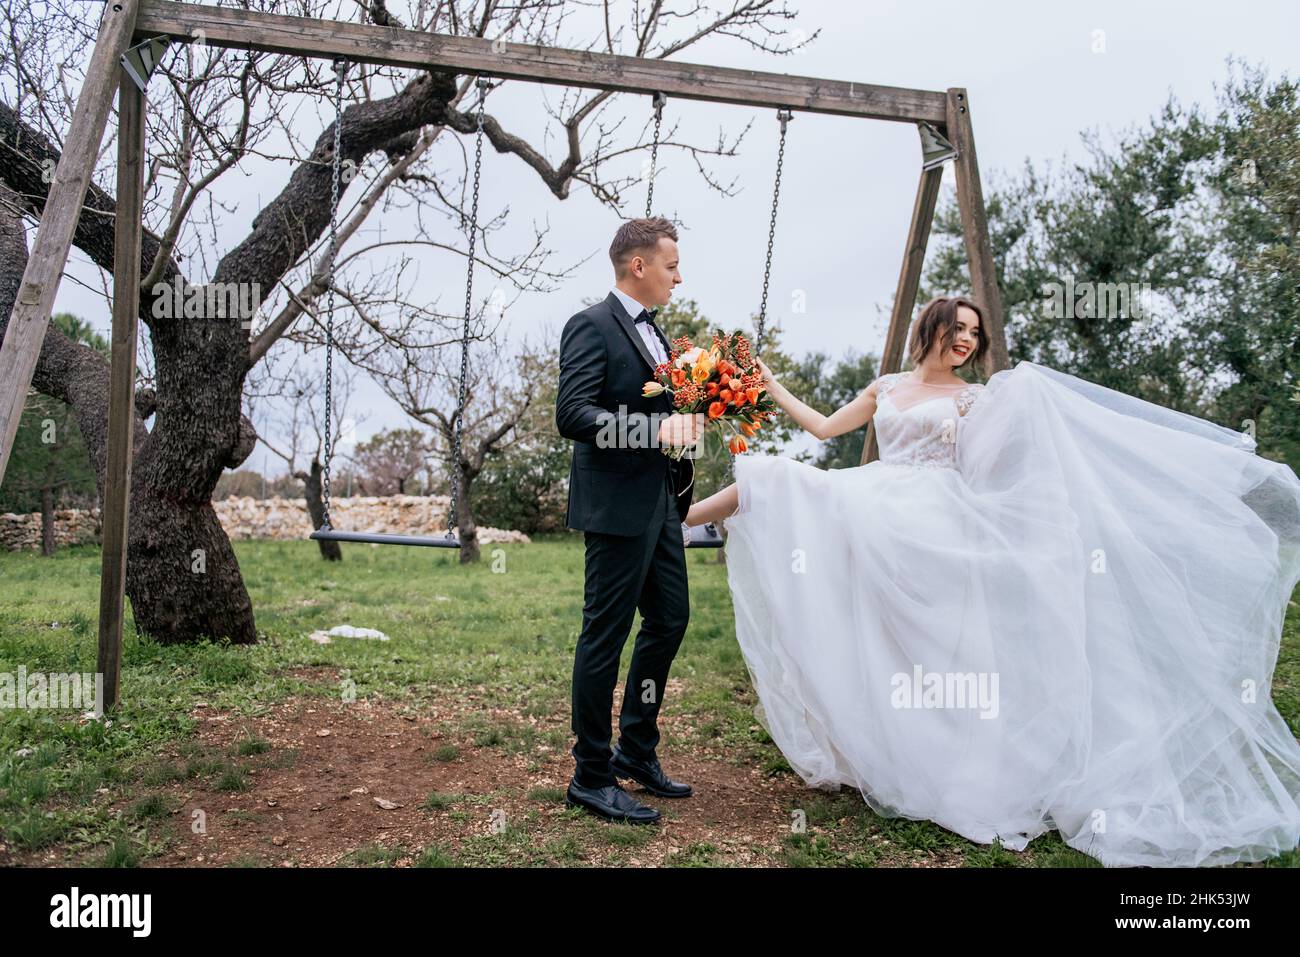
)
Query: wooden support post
[
  {"x": 121, "y": 385},
  {"x": 31, "y": 313},
  {"x": 975, "y": 227},
  {"x": 909, "y": 280}
]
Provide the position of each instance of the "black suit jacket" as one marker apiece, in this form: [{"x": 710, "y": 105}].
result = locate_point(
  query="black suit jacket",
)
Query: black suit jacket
[{"x": 603, "y": 365}]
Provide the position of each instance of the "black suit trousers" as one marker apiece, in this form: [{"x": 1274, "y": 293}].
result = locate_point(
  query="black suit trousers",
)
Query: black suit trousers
[{"x": 624, "y": 574}]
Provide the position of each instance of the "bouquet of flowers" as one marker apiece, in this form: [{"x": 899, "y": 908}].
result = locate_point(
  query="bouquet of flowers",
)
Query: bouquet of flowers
[{"x": 722, "y": 381}]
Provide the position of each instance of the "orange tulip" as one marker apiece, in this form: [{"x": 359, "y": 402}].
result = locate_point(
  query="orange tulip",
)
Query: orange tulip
[
  {"x": 749, "y": 428},
  {"x": 737, "y": 445},
  {"x": 678, "y": 378}
]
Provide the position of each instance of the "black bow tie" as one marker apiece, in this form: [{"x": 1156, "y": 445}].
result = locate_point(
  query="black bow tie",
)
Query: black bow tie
[{"x": 647, "y": 316}]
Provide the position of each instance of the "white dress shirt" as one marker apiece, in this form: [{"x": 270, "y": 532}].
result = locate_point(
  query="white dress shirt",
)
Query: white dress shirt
[{"x": 635, "y": 309}]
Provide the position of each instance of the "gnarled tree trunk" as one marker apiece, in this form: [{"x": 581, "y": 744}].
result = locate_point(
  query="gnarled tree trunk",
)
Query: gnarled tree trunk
[
  {"x": 47, "y": 520},
  {"x": 466, "y": 527},
  {"x": 311, "y": 481}
]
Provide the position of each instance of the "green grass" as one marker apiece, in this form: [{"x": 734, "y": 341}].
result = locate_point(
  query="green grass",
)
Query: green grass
[
  {"x": 436, "y": 801},
  {"x": 506, "y": 639},
  {"x": 374, "y": 855},
  {"x": 434, "y": 856}
]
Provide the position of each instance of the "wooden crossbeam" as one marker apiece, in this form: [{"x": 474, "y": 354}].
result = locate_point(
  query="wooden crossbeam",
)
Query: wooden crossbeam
[{"x": 366, "y": 43}]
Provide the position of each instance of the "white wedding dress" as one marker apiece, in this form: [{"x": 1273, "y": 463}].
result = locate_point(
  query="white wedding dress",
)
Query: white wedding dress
[{"x": 1048, "y": 605}]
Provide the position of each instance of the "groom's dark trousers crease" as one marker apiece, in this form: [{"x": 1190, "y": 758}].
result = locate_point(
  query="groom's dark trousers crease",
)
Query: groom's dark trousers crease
[{"x": 624, "y": 574}]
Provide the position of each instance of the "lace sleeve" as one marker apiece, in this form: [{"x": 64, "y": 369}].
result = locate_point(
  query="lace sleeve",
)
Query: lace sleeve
[
  {"x": 967, "y": 397},
  {"x": 886, "y": 382}
]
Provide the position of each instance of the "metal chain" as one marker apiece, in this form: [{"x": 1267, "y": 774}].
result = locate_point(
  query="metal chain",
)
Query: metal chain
[
  {"x": 340, "y": 70},
  {"x": 483, "y": 86},
  {"x": 660, "y": 100},
  {"x": 784, "y": 116}
]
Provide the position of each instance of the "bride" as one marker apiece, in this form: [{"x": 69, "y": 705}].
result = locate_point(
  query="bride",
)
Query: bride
[{"x": 1048, "y": 605}]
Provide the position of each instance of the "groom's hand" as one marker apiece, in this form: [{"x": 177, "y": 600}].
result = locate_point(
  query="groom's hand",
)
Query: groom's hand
[{"x": 679, "y": 429}]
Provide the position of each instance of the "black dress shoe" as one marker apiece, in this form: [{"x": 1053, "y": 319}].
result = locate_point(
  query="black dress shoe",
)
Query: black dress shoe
[
  {"x": 648, "y": 774},
  {"x": 610, "y": 802}
]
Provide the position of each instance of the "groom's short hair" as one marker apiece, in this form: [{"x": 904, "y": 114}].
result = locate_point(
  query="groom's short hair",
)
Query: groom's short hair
[{"x": 638, "y": 236}]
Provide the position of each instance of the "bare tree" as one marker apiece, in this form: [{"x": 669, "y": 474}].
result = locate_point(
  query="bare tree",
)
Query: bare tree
[
  {"x": 402, "y": 145},
  {"x": 388, "y": 460},
  {"x": 425, "y": 385},
  {"x": 292, "y": 425}
]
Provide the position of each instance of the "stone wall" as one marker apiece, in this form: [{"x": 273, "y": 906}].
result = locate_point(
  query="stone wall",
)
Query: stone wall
[
  {"x": 273, "y": 518},
  {"x": 72, "y": 526}
]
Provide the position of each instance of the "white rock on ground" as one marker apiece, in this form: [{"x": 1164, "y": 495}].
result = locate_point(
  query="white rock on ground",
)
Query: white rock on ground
[{"x": 346, "y": 631}]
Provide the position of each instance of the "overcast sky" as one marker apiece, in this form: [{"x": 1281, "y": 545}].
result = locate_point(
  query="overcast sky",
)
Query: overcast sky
[{"x": 1034, "y": 81}]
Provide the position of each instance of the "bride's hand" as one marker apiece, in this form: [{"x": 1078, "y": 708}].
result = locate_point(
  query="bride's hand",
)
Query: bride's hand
[{"x": 768, "y": 378}]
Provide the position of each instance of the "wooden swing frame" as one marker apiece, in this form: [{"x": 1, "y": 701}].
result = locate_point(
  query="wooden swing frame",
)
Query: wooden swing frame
[{"x": 126, "y": 22}]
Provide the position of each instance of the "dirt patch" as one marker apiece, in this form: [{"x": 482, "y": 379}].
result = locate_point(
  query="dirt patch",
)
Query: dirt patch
[
  {"x": 340, "y": 777},
  {"x": 314, "y": 674}
]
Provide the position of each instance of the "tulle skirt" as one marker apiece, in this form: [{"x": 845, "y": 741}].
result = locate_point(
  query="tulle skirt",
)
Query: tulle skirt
[{"x": 1075, "y": 628}]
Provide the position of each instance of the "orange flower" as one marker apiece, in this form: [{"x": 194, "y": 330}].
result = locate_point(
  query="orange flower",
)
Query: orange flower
[
  {"x": 716, "y": 409},
  {"x": 753, "y": 395},
  {"x": 737, "y": 445},
  {"x": 725, "y": 395},
  {"x": 739, "y": 399},
  {"x": 749, "y": 428},
  {"x": 678, "y": 378},
  {"x": 711, "y": 389}
]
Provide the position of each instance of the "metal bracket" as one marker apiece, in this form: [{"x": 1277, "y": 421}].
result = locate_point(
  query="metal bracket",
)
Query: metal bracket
[
  {"x": 30, "y": 294},
  {"x": 142, "y": 59},
  {"x": 935, "y": 147}
]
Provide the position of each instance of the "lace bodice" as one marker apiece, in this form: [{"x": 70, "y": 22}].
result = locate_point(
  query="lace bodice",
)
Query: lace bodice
[{"x": 924, "y": 432}]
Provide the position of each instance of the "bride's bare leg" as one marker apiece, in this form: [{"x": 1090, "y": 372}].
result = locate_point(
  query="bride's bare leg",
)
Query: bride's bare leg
[{"x": 714, "y": 508}]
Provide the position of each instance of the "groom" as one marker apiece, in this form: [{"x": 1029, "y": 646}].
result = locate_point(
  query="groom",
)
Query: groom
[{"x": 624, "y": 495}]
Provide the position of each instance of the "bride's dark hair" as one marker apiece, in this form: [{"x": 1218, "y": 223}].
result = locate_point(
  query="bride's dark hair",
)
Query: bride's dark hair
[{"x": 938, "y": 324}]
